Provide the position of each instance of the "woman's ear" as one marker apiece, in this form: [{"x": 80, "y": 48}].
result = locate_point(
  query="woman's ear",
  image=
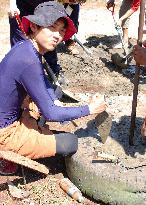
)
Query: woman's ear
[{"x": 33, "y": 27}]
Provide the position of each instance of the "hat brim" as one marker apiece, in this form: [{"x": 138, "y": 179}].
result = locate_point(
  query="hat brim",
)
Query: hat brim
[{"x": 38, "y": 20}]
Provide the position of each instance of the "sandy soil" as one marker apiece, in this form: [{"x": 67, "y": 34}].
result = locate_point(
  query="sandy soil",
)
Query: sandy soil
[{"x": 94, "y": 74}]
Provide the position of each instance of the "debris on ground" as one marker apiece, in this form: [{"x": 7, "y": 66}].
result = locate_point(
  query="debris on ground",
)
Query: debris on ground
[{"x": 16, "y": 192}]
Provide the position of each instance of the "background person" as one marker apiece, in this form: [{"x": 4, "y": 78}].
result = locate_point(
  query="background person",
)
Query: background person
[
  {"x": 127, "y": 8},
  {"x": 75, "y": 9}
]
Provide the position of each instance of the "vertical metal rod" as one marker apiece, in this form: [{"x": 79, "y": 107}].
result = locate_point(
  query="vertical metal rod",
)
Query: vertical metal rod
[{"x": 136, "y": 77}]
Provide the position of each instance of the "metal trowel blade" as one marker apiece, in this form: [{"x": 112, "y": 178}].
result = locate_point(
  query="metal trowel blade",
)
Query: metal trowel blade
[{"x": 104, "y": 123}]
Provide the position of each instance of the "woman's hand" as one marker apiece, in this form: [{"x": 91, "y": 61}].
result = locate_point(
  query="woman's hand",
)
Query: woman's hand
[
  {"x": 12, "y": 10},
  {"x": 119, "y": 22},
  {"x": 33, "y": 110},
  {"x": 97, "y": 104}
]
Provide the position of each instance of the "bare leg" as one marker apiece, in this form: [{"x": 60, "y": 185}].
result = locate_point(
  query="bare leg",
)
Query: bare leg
[{"x": 125, "y": 35}]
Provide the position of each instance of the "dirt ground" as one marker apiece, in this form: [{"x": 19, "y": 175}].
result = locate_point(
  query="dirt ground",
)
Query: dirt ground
[{"x": 84, "y": 73}]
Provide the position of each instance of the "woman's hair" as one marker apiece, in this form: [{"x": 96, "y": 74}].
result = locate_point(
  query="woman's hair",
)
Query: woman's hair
[
  {"x": 64, "y": 21},
  {"x": 29, "y": 32}
]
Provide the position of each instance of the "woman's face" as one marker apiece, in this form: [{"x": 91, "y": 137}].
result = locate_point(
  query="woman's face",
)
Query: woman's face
[{"x": 48, "y": 38}]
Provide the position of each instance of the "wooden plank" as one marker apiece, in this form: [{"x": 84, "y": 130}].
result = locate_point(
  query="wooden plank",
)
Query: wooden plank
[{"x": 25, "y": 161}]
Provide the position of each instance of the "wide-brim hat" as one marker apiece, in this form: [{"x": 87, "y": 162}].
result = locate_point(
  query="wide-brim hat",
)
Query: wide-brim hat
[{"x": 45, "y": 14}]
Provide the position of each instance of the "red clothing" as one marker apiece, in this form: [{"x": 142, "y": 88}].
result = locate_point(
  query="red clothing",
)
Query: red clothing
[{"x": 135, "y": 5}]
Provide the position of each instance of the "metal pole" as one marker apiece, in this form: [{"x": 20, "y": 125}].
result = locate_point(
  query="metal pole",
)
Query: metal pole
[
  {"x": 80, "y": 44},
  {"x": 136, "y": 77}
]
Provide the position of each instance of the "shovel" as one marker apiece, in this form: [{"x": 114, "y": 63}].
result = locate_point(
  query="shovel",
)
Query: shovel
[
  {"x": 120, "y": 33},
  {"x": 82, "y": 46},
  {"x": 122, "y": 61}
]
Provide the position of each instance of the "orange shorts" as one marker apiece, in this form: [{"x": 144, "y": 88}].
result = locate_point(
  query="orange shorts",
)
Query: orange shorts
[{"x": 27, "y": 139}]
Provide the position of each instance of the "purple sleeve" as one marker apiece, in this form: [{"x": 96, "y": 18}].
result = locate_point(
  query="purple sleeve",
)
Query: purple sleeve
[
  {"x": 50, "y": 89},
  {"x": 33, "y": 81}
]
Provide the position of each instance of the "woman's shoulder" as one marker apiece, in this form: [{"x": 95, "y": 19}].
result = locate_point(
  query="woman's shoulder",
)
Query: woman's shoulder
[{"x": 26, "y": 51}]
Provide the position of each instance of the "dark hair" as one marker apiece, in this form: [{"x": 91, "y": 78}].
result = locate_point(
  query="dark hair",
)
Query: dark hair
[
  {"x": 64, "y": 21},
  {"x": 29, "y": 32}
]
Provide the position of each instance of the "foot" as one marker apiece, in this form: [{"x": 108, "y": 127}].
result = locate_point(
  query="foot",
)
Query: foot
[
  {"x": 72, "y": 48},
  {"x": 7, "y": 167}
]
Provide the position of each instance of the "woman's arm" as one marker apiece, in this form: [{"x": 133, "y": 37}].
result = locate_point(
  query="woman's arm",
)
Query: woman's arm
[
  {"x": 134, "y": 7},
  {"x": 36, "y": 88}
]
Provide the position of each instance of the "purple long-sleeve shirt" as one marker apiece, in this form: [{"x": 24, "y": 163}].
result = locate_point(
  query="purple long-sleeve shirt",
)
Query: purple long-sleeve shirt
[{"x": 21, "y": 73}]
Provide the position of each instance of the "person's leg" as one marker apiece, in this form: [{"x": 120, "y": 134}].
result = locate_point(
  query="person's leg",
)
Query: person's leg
[
  {"x": 126, "y": 5},
  {"x": 125, "y": 35},
  {"x": 7, "y": 167},
  {"x": 66, "y": 144},
  {"x": 75, "y": 14},
  {"x": 70, "y": 44},
  {"x": 29, "y": 140}
]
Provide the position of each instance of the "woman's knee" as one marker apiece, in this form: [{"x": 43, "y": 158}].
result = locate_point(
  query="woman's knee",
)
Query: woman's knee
[{"x": 66, "y": 143}]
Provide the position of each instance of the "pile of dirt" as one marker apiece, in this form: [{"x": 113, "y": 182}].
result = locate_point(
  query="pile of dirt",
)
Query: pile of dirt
[{"x": 97, "y": 72}]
